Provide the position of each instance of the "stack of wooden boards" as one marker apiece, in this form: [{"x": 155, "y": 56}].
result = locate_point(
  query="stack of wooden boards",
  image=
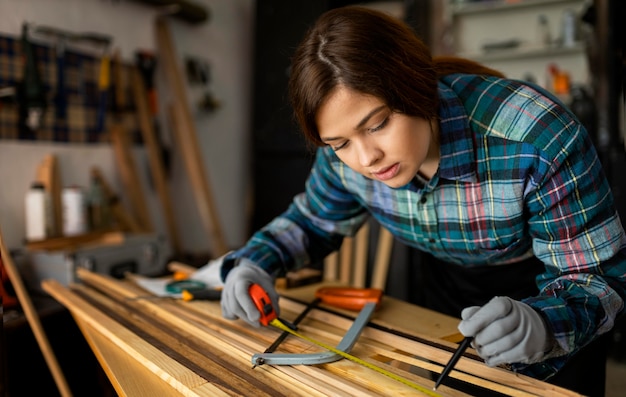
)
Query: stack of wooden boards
[{"x": 192, "y": 350}]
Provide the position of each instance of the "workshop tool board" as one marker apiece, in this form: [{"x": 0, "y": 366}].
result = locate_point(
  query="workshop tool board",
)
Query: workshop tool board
[{"x": 195, "y": 351}]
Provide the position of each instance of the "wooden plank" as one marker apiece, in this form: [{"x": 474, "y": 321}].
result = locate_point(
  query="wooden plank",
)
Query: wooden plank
[
  {"x": 33, "y": 320},
  {"x": 48, "y": 174},
  {"x": 127, "y": 378},
  {"x": 155, "y": 157},
  {"x": 361, "y": 246},
  {"x": 74, "y": 242},
  {"x": 130, "y": 176},
  {"x": 175, "y": 374},
  {"x": 331, "y": 266},
  {"x": 185, "y": 130},
  {"x": 346, "y": 253},
  {"x": 383, "y": 256}
]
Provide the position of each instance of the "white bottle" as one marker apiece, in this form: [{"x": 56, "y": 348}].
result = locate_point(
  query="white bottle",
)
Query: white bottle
[
  {"x": 38, "y": 213},
  {"x": 74, "y": 211}
]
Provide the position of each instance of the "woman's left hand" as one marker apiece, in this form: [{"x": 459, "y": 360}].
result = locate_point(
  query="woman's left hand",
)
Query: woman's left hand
[{"x": 506, "y": 331}]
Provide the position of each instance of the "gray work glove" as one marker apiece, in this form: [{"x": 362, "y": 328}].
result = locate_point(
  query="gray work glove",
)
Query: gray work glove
[
  {"x": 211, "y": 273},
  {"x": 506, "y": 331},
  {"x": 236, "y": 301}
]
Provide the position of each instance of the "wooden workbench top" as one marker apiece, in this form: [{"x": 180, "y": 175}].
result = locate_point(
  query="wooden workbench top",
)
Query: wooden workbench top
[{"x": 160, "y": 346}]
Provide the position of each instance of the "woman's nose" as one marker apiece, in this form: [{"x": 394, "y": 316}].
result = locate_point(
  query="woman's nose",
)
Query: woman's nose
[{"x": 369, "y": 154}]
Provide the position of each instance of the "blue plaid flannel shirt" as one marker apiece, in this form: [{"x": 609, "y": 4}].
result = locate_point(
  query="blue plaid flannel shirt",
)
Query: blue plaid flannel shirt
[{"x": 518, "y": 176}]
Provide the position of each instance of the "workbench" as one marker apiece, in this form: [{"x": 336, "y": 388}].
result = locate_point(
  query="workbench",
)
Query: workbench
[{"x": 159, "y": 346}]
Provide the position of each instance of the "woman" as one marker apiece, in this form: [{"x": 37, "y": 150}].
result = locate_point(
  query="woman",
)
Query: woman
[{"x": 493, "y": 178}]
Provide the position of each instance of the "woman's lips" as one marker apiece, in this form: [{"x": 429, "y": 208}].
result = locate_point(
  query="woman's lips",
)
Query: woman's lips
[{"x": 387, "y": 173}]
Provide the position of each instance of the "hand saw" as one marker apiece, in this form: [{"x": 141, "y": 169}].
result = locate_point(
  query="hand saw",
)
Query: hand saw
[{"x": 269, "y": 317}]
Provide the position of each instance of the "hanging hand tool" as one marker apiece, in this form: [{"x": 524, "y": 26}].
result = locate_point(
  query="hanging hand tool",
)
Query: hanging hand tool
[
  {"x": 104, "y": 81},
  {"x": 61, "y": 37},
  {"x": 146, "y": 63},
  {"x": 31, "y": 92},
  {"x": 268, "y": 317}
]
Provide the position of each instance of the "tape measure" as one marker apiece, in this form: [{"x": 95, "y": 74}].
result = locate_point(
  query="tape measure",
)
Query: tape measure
[{"x": 268, "y": 317}]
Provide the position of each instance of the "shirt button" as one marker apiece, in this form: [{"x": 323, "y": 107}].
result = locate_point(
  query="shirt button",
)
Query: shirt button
[
  {"x": 431, "y": 240},
  {"x": 423, "y": 200}
]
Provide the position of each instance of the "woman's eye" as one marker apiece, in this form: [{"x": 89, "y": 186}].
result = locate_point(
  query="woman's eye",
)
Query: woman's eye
[
  {"x": 340, "y": 146},
  {"x": 379, "y": 126}
]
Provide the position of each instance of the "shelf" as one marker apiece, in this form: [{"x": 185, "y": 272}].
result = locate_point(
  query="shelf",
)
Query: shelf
[
  {"x": 476, "y": 7},
  {"x": 524, "y": 53}
]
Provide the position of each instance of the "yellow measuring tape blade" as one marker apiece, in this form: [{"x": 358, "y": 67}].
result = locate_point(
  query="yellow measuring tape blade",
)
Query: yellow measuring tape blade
[{"x": 278, "y": 324}]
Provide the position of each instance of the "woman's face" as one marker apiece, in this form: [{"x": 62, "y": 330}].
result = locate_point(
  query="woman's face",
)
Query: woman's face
[{"x": 376, "y": 142}]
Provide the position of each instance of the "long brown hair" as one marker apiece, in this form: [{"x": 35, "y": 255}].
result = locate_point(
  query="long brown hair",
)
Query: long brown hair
[{"x": 372, "y": 53}]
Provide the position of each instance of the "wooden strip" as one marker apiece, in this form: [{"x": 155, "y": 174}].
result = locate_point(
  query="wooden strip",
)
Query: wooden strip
[
  {"x": 33, "y": 320},
  {"x": 130, "y": 177},
  {"x": 412, "y": 361},
  {"x": 74, "y": 242},
  {"x": 175, "y": 374},
  {"x": 331, "y": 266},
  {"x": 477, "y": 368},
  {"x": 346, "y": 253},
  {"x": 127, "y": 378},
  {"x": 48, "y": 174},
  {"x": 184, "y": 129},
  {"x": 383, "y": 256},
  {"x": 180, "y": 267},
  {"x": 361, "y": 246},
  {"x": 155, "y": 157}
]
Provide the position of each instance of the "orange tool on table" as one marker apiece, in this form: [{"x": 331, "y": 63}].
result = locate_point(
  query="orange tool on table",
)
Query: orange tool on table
[{"x": 348, "y": 297}]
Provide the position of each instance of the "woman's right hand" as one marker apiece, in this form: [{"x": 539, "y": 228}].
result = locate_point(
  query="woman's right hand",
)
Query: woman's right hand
[{"x": 236, "y": 301}]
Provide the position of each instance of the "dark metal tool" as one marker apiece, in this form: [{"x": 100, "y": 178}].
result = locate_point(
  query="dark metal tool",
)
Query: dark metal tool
[
  {"x": 455, "y": 357},
  {"x": 295, "y": 322}
]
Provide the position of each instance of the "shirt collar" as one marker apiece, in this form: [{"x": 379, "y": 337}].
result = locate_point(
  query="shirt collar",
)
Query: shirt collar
[{"x": 456, "y": 138}]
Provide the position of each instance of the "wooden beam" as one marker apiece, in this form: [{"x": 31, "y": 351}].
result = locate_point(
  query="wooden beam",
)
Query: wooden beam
[
  {"x": 130, "y": 176},
  {"x": 48, "y": 174},
  {"x": 33, "y": 320},
  {"x": 383, "y": 256},
  {"x": 361, "y": 246},
  {"x": 155, "y": 157},
  {"x": 185, "y": 130}
]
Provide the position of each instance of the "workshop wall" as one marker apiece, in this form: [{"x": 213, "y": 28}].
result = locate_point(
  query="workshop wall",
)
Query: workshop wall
[{"x": 223, "y": 43}]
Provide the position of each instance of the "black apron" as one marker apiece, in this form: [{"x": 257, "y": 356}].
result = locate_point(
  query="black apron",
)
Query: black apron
[{"x": 449, "y": 288}]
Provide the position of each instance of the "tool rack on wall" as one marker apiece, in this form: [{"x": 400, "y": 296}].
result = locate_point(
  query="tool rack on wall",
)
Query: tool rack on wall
[{"x": 71, "y": 90}]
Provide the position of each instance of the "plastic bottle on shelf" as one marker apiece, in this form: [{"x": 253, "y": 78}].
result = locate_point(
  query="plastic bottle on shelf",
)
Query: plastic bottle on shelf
[
  {"x": 74, "y": 211},
  {"x": 38, "y": 213}
]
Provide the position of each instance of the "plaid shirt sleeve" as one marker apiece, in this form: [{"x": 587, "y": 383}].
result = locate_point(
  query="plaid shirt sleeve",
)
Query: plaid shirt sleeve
[
  {"x": 572, "y": 221},
  {"x": 313, "y": 226}
]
